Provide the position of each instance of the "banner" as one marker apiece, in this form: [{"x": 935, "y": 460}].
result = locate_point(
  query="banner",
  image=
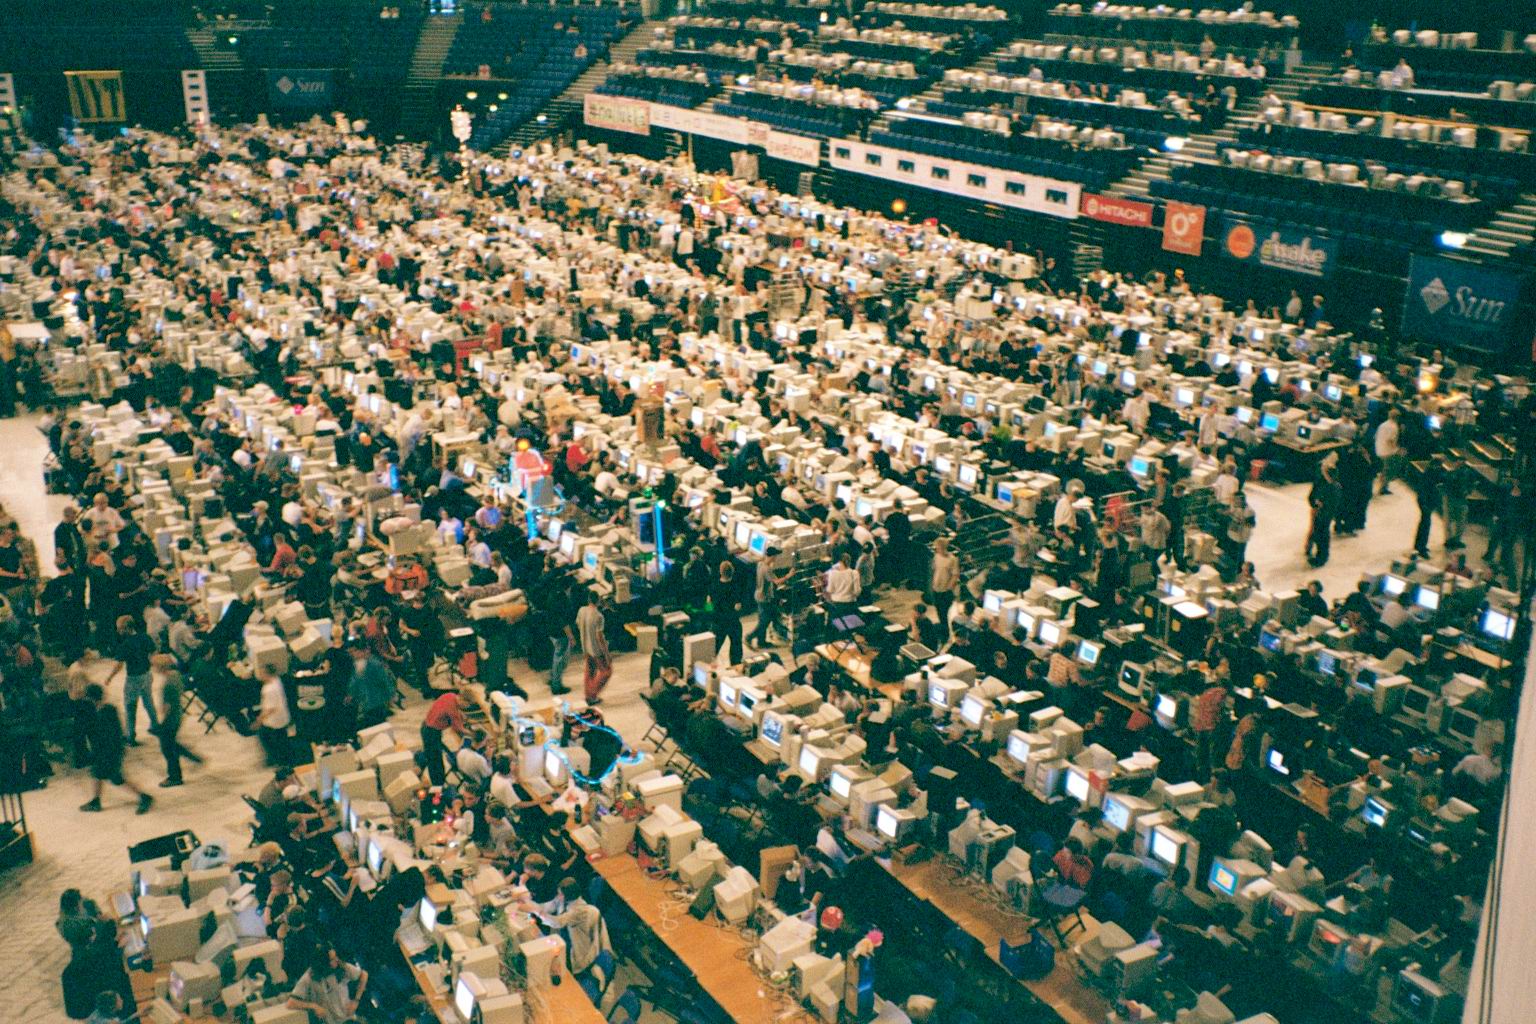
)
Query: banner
[
  {"x": 301, "y": 88},
  {"x": 1279, "y": 247},
  {"x": 1449, "y": 301},
  {"x": 1116, "y": 210},
  {"x": 797, "y": 149},
  {"x": 617, "y": 113},
  {"x": 996, "y": 185},
  {"x": 96, "y": 96},
  {"x": 1183, "y": 228}
]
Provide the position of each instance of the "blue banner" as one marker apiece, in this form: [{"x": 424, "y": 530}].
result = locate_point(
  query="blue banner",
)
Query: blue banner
[
  {"x": 1279, "y": 246},
  {"x": 1463, "y": 304},
  {"x": 301, "y": 89}
]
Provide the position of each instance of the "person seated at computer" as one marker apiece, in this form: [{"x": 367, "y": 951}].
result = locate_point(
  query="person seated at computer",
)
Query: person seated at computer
[
  {"x": 815, "y": 673},
  {"x": 1072, "y": 863},
  {"x": 542, "y": 885},
  {"x": 582, "y": 925},
  {"x": 471, "y": 762},
  {"x": 1396, "y": 613},
  {"x": 1170, "y": 902},
  {"x": 331, "y": 990},
  {"x": 1477, "y": 775},
  {"x": 1311, "y": 601},
  {"x": 280, "y": 900},
  {"x": 1123, "y": 863},
  {"x": 925, "y": 628}
]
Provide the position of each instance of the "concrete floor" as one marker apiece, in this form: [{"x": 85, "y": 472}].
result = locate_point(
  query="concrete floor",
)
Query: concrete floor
[{"x": 89, "y": 851}]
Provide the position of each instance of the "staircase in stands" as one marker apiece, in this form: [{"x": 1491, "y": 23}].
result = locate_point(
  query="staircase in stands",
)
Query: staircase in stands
[
  {"x": 1511, "y": 232},
  {"x": 1204, "y": 147},
  {"x": 565, "y": 110},
  {"x": 209, "y": 56},
  {"x": 418, "y": 103}
]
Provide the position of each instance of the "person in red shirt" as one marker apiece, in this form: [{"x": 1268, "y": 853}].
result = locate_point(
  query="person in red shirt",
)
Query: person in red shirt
[
  {"x": 1073, "y": 865},
  {"x": 444, "y": 713},
  {"x": 285, "y": 561},
  {"x": 576, "y": 456},
  {"x": 1205, "y": 716}
]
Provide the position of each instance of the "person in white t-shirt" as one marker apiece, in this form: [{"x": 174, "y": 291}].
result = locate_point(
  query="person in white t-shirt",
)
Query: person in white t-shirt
[{"x": 1388, "y": 451}]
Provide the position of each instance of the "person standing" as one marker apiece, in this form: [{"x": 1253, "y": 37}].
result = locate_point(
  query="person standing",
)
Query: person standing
[
  {"x": 1455, "y": 483},
  {"x": 1388, "y": 450},
  {"x": 562, "y": 638},
  {"x": 172, "y": 702},
  {"x": 1324, "y": 500},
  {"x": 766, "y": 596},
  {"x": 1204, "y": 720},
  {"x": 591, "y": 629},
  {"x": 725, "y": 611},
  {"x": 1355, "y": 474},
  {"x": 274, "y": 717},
  {"x": 943, "y": 578},
  {"x": 371, "y": 689},
  {"x": 107, "y": 752},
  {"x": 68, "y": 542},
  {"x": 1240, "y": 529},
  {"x": 134, "y": 649},
  {"x": 444, "y": 713},
  {"x": 1427, "y": 493}
]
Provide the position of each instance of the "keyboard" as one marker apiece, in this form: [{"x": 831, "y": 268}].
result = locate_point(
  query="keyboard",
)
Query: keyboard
[{"x": 865, "y": 840}]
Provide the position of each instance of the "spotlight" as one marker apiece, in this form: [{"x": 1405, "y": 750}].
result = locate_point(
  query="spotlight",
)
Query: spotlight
[
  {"x": 471, "y": 95},
  {"x": 542, "y": 118},
  {"x": 898, "y": 206},
  {"x": 501, "y": 96},
  {"x": 492, "y": 108},
  {"x": 1453, "y": 239}
]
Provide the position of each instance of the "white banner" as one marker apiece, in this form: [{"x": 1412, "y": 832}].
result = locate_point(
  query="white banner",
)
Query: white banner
[
  {"x": 974, "y": 181},
  {"x": 797, "y": 149},
  {"x": 194, "y": 96},
  {"x": 705, "y": 123},
  {"x": 617, "y": 113}
]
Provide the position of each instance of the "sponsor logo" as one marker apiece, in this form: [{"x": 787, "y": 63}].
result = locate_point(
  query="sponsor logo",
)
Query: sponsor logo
[
  {"x": 285, "y": 85},
  {"x": 1117, "y": 211},
  {"x": 1435, "y": 296},
  {"x": 1240, "y": 241}
]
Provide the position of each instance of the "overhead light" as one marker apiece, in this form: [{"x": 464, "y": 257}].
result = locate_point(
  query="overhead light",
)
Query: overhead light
[
  {"x": 898, "y": 206},
  {"x": 501, "y": 96},
  {"x": 1174, "y": 143},
  {"x": 542, "y": 118},
  {"x": 471, "y": 95},
  {"x": 492, "y": 107},
  {"x": 1453, "y": 239},
  {"x": 234, "y": 40}
]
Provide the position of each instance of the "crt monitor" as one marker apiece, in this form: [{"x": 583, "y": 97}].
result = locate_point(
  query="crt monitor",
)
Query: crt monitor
[
  {"x": 590, "y": 559},
  {"x": 375, "y": 857},
  {"x": 1117, "y": 813},
  {"x": 1416, "y": 701},
  {"x": 1166, "y": 846},
  {"x": 1427, "y": 598},
  {"x": 972, "y": 708},
  {"x": 810, "y": 763},
  {"x": 426, "y": 915},
  {"x": 1277, "y": 761},
  {"x": 1462, "y": 724},
  {"x": 465, "y": 994},
  {"x": 1050, "y": 632},
  {"x": 1018, "y": 748},
  {"x": 554, "y": 767},
  {"x": 759, "y": 543},
  {"x": 1393, "y": 585},
  {"x": 1497, "y": 625},
  {"x": 1088, "y": 652},
  {"x": 888, "y": 822},
  {"x": 1223, "y": 879},
  {"x": 1139, "y": 466},
  {"x": 1327, "y": 663},
  {"x": 1375, "y": 811},
  {"x": 1078, "y": 785},
  {"x": 728, "y": 694},
  {"x": 772, "y": 732}
]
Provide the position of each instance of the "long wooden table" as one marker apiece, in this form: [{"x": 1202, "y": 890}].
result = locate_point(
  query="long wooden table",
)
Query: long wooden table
[
  {"x": 715, "y": 955},
  {"x": 1061, "y": 990}
]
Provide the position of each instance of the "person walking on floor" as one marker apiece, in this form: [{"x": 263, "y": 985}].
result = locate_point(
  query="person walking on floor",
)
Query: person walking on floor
[
  {"x": 444, "y": 713},
  {"x": 591, "y": 629},
  {"x": 274, "y": 718},
  {"x": 943, "y": 578},
  {"x": 172, "y": 703},
  {"x": 107, "y": 752},
  {"x": 725, "y": 611},
  {"x": 1389, "y": 453},
  {"x": 766, "y": 596},
  {"x": 562, "y": 639},
  {"x": 134, "y": 649}
]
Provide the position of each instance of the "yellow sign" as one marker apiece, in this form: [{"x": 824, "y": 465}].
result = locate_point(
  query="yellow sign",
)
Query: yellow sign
[{"x": 96, "y": 96}]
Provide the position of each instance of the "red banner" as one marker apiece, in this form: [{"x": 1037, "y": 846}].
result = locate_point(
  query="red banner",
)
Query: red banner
[
  {"x": 1116, "y": 210},
  {"x": 1183, "y": 228}
]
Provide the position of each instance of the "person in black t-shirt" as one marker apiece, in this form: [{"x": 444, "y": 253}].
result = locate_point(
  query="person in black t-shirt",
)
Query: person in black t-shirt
[{"x": 107, "y": 752}]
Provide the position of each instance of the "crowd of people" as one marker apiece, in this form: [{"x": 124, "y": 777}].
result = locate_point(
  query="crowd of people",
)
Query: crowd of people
[{"x": 246, "y": 224}]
